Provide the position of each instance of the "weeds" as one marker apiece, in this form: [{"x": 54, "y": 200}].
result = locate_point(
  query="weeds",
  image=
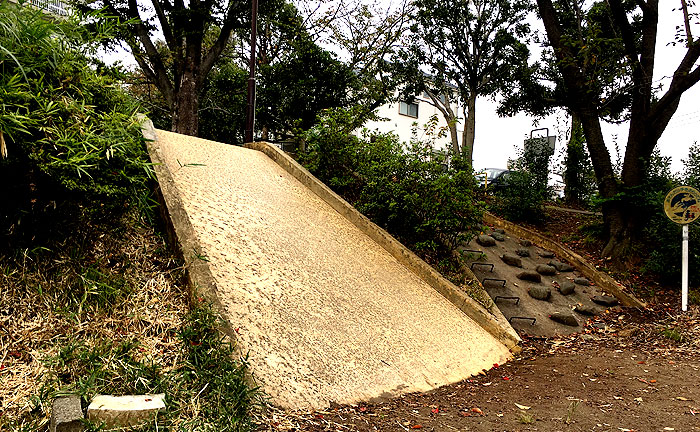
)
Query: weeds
[
  {"x": 673, "y": 333},
  {"x": 571, "y": 410},
  {"x": 102, "y": 311},
  {"x": 526, "y": 418}
]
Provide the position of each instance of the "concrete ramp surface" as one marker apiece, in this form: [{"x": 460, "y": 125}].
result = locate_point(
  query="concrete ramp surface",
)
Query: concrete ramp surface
[{"x": 324, "y": 313}]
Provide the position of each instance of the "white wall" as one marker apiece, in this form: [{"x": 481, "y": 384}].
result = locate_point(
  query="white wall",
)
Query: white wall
[{"x": 404, "y": 127}]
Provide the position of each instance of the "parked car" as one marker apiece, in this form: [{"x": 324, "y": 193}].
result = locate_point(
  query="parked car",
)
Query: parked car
[{"x": 493, "y": 179}]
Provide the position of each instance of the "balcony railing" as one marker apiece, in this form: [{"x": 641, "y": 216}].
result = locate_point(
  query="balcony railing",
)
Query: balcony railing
[{"x": 55, "y": 7}]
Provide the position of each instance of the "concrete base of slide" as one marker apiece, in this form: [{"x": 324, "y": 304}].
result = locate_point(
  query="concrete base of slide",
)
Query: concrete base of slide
[{"x": 324, "y": 313}]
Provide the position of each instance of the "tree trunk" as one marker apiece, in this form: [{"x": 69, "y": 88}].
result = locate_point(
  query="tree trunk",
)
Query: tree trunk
[
  {"x": 185, "y": 110},
  {"x": 454, "y": 136},
  {"x": 469, "y": 129}
]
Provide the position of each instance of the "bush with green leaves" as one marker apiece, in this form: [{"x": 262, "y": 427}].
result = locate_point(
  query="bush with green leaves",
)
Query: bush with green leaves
[
  {"x": 66, "y": 123},
  {"x": 523, "y": 198},
  {"x": 662, "y": 237},
  {"x": 409, "y": 190}
]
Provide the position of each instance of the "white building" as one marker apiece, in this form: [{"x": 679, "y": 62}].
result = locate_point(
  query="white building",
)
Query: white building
[{"x": 408, "y": 120}]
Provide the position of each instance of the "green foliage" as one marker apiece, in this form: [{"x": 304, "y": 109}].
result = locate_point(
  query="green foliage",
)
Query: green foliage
[
  {"x": 295, "y": 90},
  {"x": 579, "y": 178},
  {"x": 527, "y": 190},
  {"x": 673, "y": 334},
  {"x": 223, "y": 104},
  {"x": 410, "y": 191},
  {"x": 66, "y": 122},
  {"x": 210, "y": 371}
]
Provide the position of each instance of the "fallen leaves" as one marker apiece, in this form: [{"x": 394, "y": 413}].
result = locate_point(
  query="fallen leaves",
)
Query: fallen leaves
[{"x": 522, "y": 407}]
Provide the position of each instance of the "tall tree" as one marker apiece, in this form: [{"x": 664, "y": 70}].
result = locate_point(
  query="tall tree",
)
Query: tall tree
[
  {"x": 635, "y": 25},
  {"x": 180, "y": 69},
  {"x": 475, "y": 45},
  {"x": 366, "y": 35}
]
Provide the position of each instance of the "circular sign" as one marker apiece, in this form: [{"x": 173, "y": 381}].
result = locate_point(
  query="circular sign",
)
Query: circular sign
[{"x": 682, "y": 205}]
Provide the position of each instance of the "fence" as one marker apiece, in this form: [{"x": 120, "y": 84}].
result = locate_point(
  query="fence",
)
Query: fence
[{"x": 55, "y": 7}]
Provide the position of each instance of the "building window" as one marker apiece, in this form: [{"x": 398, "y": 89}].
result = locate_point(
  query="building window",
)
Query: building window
[{"x": 409, "y": 109}]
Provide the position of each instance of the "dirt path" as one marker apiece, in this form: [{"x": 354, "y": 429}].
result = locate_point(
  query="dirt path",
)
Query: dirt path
[{"x": 615, "y": 377}]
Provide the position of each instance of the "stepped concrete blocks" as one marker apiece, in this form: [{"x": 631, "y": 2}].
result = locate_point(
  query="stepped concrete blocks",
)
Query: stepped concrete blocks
[
  {"x": 123, "y": 411},
  {"x": 66, "y": 414}
]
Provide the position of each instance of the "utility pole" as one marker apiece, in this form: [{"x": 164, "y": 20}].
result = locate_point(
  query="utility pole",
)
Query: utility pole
[{"x": 250, "y": 114}]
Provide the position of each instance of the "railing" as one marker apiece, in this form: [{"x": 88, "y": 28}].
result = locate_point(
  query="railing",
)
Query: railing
[{"x": 55, "y": 7}]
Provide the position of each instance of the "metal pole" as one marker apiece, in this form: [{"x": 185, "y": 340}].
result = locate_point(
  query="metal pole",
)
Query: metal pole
[
  {"x": 684, "y": 271},
  {"x": 250, "y": 114}
]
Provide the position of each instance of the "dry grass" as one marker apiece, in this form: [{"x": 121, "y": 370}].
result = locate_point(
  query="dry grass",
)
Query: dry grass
[{"x": 113, "y": 285}]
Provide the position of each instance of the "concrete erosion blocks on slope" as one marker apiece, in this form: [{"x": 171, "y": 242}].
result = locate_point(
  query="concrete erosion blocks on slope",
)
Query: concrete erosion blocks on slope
[
  {"x": 124, "y": 411},
  {"x": 328, "y": 307},
  {"x": 601, "y": 279},
  {"x": 66, "y": 414}
]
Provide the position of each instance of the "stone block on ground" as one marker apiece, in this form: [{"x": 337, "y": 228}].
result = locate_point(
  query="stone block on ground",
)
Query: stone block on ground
[
  {"x": 530, "y": 275},
  {"x": 498, "y": 236},
  {"x": 582, "y": 281},
  {"x": 486, "y": 240},
  {"x": 546, "y": 254},
  {"x": 512, "y": 260},
  {"x": 586, "y": 310},
  {"x": 124, "y": 411},
  {"x": 565, "y": 318},
  {"x": 561, "y": 266},
  {"x": 605, "y": 300},
  {"x": 567, "y": 288},
  {"x": 546, "y": 270},
  {"x": 540, "y": 292},
  {"x": 499, "y": 230},
  {"x": 522, "y": 252},
  {"x": 66, "y": 414},
  {"x": 525, "y": 243}
]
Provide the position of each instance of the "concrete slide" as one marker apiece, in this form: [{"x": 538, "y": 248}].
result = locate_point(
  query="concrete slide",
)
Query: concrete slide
[{"x": 324, "y": 313}]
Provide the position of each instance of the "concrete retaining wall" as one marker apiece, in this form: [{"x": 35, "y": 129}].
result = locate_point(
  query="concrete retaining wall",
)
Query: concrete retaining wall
[{"x": 601, "y": 279}]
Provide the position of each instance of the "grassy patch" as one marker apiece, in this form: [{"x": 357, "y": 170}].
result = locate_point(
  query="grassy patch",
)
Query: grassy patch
[
  {"x": 104, "y": 311},
  {"x": 673, "y": 334}
]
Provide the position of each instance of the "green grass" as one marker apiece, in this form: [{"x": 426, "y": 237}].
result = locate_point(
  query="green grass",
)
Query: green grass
[{"x": 673, "y": 334}]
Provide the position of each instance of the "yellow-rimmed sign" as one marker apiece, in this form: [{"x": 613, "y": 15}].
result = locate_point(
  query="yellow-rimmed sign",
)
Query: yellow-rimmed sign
[{"x": 682, "y": 205}]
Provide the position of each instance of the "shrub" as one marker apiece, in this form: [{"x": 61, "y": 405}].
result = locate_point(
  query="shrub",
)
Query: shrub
[
  {"x": 409, "y": 190},
  {"x": 67, "y": 125},
  {"x": 527, "y": 190}
]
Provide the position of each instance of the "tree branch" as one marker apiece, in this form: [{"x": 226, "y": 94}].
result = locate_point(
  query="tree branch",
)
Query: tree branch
[{"x": 218, "y": 47}]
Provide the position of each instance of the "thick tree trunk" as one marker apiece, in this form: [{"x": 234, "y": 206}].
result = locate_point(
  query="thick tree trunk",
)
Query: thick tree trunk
[
  {"x": 185, "y": 118},
  {"x": 469, "y": 129},
  {"x": 454, "y": 136}
]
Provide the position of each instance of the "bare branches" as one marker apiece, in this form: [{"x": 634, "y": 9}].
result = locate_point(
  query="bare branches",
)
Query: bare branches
[{"x": 686, "y": 21}]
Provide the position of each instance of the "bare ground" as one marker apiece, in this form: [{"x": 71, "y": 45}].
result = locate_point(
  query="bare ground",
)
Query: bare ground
[{"x": 620, "y": 374}]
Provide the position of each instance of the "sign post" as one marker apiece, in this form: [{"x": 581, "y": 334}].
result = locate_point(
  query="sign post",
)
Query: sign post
[{"x": 682, "y": 206}]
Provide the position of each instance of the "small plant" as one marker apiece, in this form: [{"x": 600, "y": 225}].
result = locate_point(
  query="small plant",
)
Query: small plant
[
  {"x": 571, "y": 410},
  {"x": 694, "y": 297},
  {"x": 673, "y": 333},
  {"x": 526, "y": 418}
]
